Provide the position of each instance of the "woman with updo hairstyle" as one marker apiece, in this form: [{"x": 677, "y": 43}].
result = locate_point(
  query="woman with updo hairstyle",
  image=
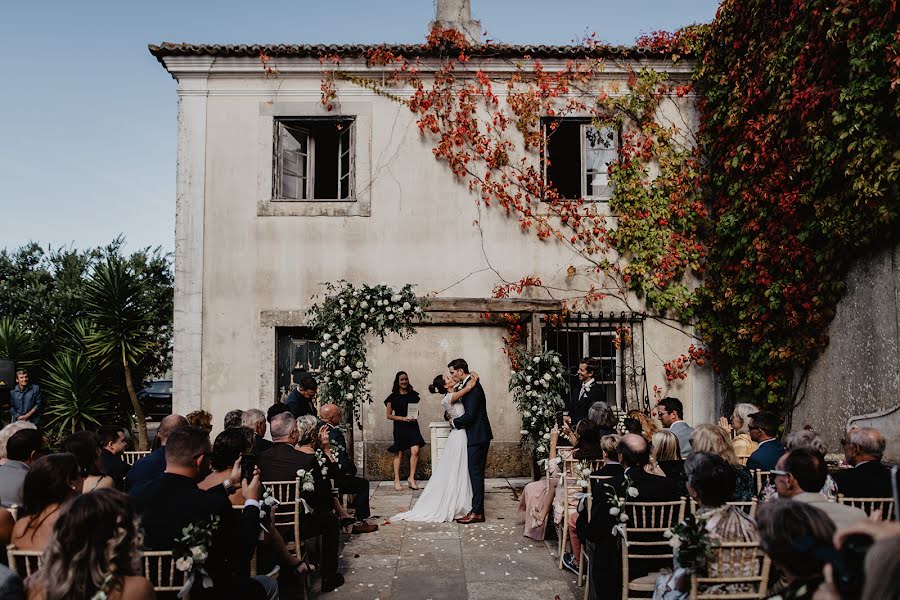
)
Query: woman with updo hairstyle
[
  {"x": 50, "y": 482},
  {"x": 94, "y": 549},
  {"x": 85, "y": 446},
  {"x": 714, "y": 439},
  {"x": 406, "y": 430}
]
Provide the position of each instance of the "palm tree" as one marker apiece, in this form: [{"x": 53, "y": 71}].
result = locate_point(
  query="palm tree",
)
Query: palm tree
[
  {"x": 116, "y": 301},
  {"x": 17, "y": 343},
  {"x": 78, "y": 394}
]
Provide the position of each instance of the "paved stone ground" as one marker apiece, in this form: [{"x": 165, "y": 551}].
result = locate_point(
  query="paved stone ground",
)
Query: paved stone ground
[{"x": 420, "y": 561}]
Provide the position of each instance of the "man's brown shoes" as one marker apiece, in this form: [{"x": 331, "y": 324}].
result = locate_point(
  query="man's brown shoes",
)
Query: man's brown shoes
[{"x": 470, "y": 518}]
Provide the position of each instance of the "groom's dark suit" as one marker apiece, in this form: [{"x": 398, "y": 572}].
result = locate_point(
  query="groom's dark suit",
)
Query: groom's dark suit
[{"x": 478, "y": 430}]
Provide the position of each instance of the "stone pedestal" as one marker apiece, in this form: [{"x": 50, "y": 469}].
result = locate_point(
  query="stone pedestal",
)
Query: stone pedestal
[{"x": 440, "y": 431}]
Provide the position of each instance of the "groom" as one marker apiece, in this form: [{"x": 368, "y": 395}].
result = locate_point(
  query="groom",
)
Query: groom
[{"x": 478, "y": 429}]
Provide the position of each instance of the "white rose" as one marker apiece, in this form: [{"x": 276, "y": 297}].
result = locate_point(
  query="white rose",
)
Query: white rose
[
  {"x": 632, "y": 491},
  {"x": 668, "y": 533},
  {"x": 540, "y": 448},
  {"x": 586, "y": 471},
  {"x": 407, "y": 306},
  {"x": 582, "y": 483},
  {"x": 395, "y": 298},
  {"x": 270, "y": 501},
  {"x": 547, "y": 377},
  {"x": 337, "y": 373},
  {"x": 418, "y": 310},
  {"x": 526, "y": 414},
  {"x": 623, "y": 517},
  {"x": 308, "y": 487},
  {"x": 389, "y": 309},
  {"x": 334, "y": 346},
  {"x": 301, "y": 472},
  {"x": 675, "y": 542},
  {"x": 537, "y": 359},
  {"x": 524, "y": 432},
  {"x": 198, "y": 553},
  {"x": 347, "y": 369},
  {"x": 527, "y": 388},
  {"x": 355, "y": 375},
  {"x": 556, "y": 359},
  {"x": 348, "y": 396},
  {"x": 614, "y": 510},
  {"x": 184, "y": 564},
  {"x": 364, "y": 304},
  {"x": 326, "y": 337},
  {"x": 546, "y": 436},
  {"x": 359, "y": 364}
]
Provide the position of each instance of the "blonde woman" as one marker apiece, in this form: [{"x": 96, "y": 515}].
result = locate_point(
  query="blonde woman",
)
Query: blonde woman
[
  {"x": 665, "y": 455},
  {"x": 714, "y": 439},
  {"x": 738, "y": 428}
]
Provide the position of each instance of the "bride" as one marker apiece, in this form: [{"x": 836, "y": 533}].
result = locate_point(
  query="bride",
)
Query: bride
[{"x": 448, "y": 494}]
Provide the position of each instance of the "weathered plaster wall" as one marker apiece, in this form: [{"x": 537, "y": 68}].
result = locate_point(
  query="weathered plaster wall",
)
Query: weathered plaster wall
[
  {"x": 424, "y": 228},
  {"x": 859, "y": 372}
]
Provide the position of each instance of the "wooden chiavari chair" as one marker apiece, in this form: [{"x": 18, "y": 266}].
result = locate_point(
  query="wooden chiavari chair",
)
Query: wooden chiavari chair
[
  {"x": 870, "y": 505},
  {"x": 570, "y": 468},
  {"x": 643, "y": 539},
  {"x": 748, "y": 507},
  {"x": 132, "y": 456},
  {"x": 24, "y": 562},
  {"x": 742, "y": 566}
]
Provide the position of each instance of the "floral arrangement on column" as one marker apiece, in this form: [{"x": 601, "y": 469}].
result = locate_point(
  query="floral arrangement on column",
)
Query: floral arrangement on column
[
  {"x": 538, "y": 390},
  {"x": 342, "y": 320}
]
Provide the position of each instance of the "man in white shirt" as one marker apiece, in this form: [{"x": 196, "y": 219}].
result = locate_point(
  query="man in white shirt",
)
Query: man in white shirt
[
  {"x": 670, "y": 412},
  {"x": 800, "y": 475},
  {"x": 590, "y": 391}
]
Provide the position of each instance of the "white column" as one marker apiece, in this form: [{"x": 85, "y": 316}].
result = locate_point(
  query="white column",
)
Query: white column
[{"x": 190, "y": 192}]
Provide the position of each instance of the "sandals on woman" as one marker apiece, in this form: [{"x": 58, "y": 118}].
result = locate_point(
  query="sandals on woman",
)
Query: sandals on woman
[{"x": 412, "y": 485}]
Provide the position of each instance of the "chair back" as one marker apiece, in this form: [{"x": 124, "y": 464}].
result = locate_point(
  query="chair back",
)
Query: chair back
[
  {"x": 287, "y": 515},
  {"x": 762, "y": 478},
  {"x": 158, "y": 566},
  {"x": 748, "y": 507},
  {"x": 642, "y": 538},
  {"x": 870, "y": 505},
  {"x": 133, "y": 456},
  {"x": 24, "y": 562},
  {"x": 736, "y": 570}
]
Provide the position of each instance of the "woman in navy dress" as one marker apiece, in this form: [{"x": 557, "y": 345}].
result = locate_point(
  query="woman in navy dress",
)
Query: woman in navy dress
[{"x": 406, "y": 430}]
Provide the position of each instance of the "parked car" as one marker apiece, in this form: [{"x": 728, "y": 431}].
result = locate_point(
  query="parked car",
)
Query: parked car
[{"x": 156, "y": 399}]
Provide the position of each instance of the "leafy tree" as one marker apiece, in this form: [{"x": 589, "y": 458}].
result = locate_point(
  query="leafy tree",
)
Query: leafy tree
[
  {"x": 16, "y": 342},
  {"x": 78, "y": 390}
]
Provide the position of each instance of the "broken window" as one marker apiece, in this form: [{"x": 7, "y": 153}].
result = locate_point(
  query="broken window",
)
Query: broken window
[
  {"x": 314, "y": 159},
  {"x": 578, "y": 156}
]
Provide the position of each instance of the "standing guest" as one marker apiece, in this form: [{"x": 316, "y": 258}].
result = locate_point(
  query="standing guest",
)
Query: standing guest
[
  {"x": 113, "y": 444},
  {"x": 793, "y": 534},
  {"x": 590, "y": 391},
  {"x": 281, "y": 463},
  {"x": 800, "y": 475},
  {"x": 201, "y": 419},
  {"x": 302, "y": 399},
  {"x": 714, "y": 439},
  {"x": 21, "y": 451},
  {"x": 85, "y": 447},
  {"x": 671, "y": 412},
  {"x": 52, "y": 480},
  {"x": 255, "y": 420},
  {"x": 233, "y": 418},
  {"x": 153, "y": 465},
  {"x": 170, "y": 502},
  {"x": 94, "y": 553},
  {"x": 709, "y": 479},
  {"x": 406, "y": 430},
  {"x": 738, "y": 427},
  {"x": 869, "y": 478},
  {"x": 345, "y": 472},
  {"x": 665, "y": 454},
  {"x": 8, "y": 431},
  {"x": 763, "y": 430},
  {"x": 25, "y": 399}
]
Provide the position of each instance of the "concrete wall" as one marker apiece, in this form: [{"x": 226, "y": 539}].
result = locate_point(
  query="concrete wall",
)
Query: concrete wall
[
  {"x": 859, "y": 371},
  {"x": 414, "y": 224}
]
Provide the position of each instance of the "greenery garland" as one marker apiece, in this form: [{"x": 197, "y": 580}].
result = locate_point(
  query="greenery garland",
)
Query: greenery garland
[
  {"x": 342, "y": 320},
  {"x": 538, "y": 389}
]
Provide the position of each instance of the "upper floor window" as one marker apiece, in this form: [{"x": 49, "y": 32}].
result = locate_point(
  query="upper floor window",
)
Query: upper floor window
[
  {"x": 578, "y": 156},
  {"x": 314, "y": 159}
]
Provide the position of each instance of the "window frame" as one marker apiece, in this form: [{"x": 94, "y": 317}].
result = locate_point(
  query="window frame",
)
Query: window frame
[
  {"x": 288, "y": 126},
  {"x": 583, "y": 123}
]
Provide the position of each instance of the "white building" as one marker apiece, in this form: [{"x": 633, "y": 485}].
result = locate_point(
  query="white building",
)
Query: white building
[{"x": 276, "y": 195}]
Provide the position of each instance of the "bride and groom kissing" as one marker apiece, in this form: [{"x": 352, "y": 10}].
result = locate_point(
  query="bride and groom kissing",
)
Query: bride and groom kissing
[{"x": 455, "y": 491}]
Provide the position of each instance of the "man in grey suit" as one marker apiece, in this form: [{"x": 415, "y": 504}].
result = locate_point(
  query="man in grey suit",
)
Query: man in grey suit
[
  {"x": 670, "y": 412},
  {"x": 21, "y": 450}
]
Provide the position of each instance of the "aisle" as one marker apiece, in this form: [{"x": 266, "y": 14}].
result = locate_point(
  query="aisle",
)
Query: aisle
[{"x": 486, "y": 561}]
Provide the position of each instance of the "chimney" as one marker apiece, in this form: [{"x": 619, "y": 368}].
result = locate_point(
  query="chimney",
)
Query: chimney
[{"x": 457, "y": 14}]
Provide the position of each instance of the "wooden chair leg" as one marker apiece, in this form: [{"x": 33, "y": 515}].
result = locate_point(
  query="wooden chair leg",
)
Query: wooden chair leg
[
  {"x": 563, "y": 536},
  {"x": 581, "y": 568}
]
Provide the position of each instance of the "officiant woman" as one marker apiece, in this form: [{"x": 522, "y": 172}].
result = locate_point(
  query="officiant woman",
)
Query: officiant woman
[{"x": 406, "y": 429}]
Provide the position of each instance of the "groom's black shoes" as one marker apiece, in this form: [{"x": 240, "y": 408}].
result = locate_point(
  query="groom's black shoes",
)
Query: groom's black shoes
[{"x": 470, "y": 518}]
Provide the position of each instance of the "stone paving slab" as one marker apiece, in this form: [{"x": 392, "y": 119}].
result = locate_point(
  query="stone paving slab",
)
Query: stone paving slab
[{"x": 437, "y": 561}]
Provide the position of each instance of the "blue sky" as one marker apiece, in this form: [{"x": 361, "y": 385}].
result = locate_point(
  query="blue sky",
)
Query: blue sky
[{"x": 88, "y": 117}]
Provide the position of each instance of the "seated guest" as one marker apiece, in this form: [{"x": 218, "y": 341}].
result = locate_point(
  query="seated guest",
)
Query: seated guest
[
  {"x": 8, "y": 431},
  {"x": 282, "y": 462},
  {"x": 228, "y": 448},
  {"x": 153, "y": 465},
  {"x": 635, "y": 455},
  {"x": 671, "y": 414},
  {"x": 665, "y": 454},
  {"x": 714, "y": 439},
  {"x": 763, "y": 430},
  {"x": 600, "y": 418},
  {"x": 22, "y": 449},
  {"x": 345, "y": 474},
  {"x": 538, "y": 496},
  {"x": 589, "y": 448},
  {"x": 645, "y": 425},
  {"x": 52, "y": 480},
  {"x": 255, "y": 420},
  {"x": 710, "y": 479},
  {"x": 233, "y": 418},
  {"x": 805, "y": 438},
  {"x": 85, "y": 447},
  {"x": 201, "y": 419},
  {"x": 869, "y": 478},
  {"x": 738, "y": 427},
  {"x": 793, "y": 534},
  {"x": 171, "y": 501},
  {"x": 94, "y": 552},
  {"x": 302, "y": 399},
  {"x": 800, "y": 475},
  {"x": 113, "y": 444}
]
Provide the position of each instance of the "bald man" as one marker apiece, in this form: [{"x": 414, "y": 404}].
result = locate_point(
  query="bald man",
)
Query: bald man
[
  {"x": 345, "y": 475},
  {"x": 154, "y": 464}
]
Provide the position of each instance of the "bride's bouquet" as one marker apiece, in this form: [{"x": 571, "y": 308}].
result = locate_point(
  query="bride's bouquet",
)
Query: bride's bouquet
[{"x": 538, "y": 390}]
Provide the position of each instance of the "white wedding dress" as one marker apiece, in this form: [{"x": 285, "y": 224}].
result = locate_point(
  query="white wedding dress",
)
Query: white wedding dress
[{"x": 448, "y": 494}]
